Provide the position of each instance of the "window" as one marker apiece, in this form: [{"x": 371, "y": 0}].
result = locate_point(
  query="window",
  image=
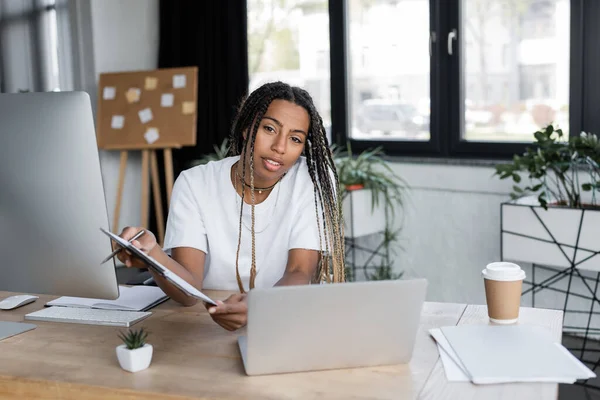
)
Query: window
[
  {"x": 514, "y": 42},
  {"x": 288, "y": 40},
  {"x": 29, "y": 52},
  {"x": 389, "y": 60},
  {"x": 451, "y": 78}
]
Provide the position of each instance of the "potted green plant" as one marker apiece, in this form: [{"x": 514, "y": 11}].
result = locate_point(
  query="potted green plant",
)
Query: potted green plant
[
  {"x": 134, "y": 354},
  {"x": 554, "y": 216},
  {"x": 371, "y": 191},
  {"x": 372, "y": 195}
]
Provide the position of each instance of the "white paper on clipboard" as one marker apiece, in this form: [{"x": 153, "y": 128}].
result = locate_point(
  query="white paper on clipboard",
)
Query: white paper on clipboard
[{"x": 160, "y": 269}]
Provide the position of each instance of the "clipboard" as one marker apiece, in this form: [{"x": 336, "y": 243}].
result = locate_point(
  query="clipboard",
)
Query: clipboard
[{"x": 160, "y": 269}]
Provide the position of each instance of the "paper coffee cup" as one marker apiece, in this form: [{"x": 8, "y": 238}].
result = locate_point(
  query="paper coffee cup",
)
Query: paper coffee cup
[{"x": 503, "y": 283}]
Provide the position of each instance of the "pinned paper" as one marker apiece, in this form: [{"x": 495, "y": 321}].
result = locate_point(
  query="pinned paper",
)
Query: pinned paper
[
  {"x": 117, "y": 122},
  {"x": 145, "y": 115},
  {"x": 109, "y": 93},
  {"x": 151, "y": 135},
  {"x": 166, "y": 100},
  {"x": 179, "y": 81},
  {"x": 133, "y": 95},
  {"x": 188, "y": 107},
  {"x": 151, "y": 83}
]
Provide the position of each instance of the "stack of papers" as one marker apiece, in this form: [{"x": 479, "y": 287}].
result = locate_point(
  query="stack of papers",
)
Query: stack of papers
[{"x": 485, "y": 354}]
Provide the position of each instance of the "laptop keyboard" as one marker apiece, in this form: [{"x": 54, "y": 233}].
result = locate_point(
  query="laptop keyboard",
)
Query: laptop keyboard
[{"x": 89, "y": 316}]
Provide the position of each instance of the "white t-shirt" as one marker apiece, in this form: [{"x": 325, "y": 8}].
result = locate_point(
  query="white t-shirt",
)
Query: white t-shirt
[{"x": 205, "y": 213}]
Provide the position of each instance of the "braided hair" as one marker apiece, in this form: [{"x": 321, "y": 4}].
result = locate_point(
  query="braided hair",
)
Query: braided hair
[{"x": 320, "y": 167}]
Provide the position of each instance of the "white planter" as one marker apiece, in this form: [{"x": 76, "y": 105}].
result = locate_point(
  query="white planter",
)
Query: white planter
[
  {"x": 359, "y": 219},
  {"x": 134, "y": 360},
  {"x": 555, "y": 237}
]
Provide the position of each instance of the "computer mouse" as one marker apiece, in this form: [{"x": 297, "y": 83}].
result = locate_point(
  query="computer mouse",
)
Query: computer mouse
[{"x": 16, "y": 301}]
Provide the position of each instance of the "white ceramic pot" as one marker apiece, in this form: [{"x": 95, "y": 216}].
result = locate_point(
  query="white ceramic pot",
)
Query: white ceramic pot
[
  {"x": 555, "y": 237},
  {"x": 360, "y": 217},
  {"x": 134, "y": 360}
]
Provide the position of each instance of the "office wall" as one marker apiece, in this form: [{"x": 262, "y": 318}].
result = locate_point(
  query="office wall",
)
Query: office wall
[
  {"x": 450, "y": 229},
  {"x": 125, "y": 37}
]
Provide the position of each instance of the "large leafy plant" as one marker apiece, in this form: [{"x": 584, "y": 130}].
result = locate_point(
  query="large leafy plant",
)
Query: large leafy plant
[
  {"x": 369, "y": 170},
  {"x": 559, "y": 169}
]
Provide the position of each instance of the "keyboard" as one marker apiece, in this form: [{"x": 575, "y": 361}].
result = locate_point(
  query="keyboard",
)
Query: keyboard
[{"x": 89, "y": 316}]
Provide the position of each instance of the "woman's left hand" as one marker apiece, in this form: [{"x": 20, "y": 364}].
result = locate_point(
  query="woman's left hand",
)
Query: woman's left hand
[{"x": 231, "y": 314}]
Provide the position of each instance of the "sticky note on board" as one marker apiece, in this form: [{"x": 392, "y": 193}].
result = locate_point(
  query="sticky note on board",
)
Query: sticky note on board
[
  {"x": 109, "y": 93},
  {"x": 179, "y": 81},
  {"x": 151, "y": 135},
  {"x": 145, "y": 115},
  {"x": 151, "y": 83},
  {"x": 117, "y": 122},
  {"x": 188, "y": 107},
  {"x": 133, "y": 95},
  {"x": 166, "y": 100}
]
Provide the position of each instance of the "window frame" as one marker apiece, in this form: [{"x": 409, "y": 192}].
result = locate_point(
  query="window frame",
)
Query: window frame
[{"x": 445, "y": 85}]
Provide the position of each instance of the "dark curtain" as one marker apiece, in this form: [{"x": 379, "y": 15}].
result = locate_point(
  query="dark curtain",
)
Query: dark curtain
[{"x": 211, "y": 35}]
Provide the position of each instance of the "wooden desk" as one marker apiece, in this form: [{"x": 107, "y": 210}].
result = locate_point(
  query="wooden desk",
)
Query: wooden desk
[{"x": 195, "y": 358}]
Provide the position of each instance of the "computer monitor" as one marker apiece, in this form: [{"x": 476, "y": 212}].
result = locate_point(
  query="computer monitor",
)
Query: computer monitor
[{"x": 52, "y": 202}]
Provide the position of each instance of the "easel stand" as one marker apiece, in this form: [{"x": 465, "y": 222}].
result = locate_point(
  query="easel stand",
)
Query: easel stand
[{"x": 149, "y": 170}]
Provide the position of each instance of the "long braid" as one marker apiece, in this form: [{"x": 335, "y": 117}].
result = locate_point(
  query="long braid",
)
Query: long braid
[
  {"x": 237, "y": 253},
  {"x": 251, "y": 139},
  {"x": 321, "y": 169},
  {"x": 322, "y": 271},
  {"x": 332, "y": 209},
  {"x": 253, "y": 266}
]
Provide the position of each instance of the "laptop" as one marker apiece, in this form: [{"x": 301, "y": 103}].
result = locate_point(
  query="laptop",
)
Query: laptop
[{"x": 331, "y": 326}]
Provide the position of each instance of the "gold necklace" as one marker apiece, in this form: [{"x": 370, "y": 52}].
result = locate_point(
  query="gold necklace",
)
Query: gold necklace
[{"x": 256, "y": 189}]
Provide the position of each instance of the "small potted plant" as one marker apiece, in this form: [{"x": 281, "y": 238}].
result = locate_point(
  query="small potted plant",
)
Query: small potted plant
[{"x": 134, "y": 354}]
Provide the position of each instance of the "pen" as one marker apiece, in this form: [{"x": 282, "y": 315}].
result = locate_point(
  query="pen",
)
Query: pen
[{"x": 114, "y": 253}]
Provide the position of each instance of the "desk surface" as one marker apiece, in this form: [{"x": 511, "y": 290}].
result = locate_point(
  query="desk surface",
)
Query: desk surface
[{"x": 195, "y": 358}]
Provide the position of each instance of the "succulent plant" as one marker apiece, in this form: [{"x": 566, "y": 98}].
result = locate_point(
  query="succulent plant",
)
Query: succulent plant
[{"x": 134, "y": 339}]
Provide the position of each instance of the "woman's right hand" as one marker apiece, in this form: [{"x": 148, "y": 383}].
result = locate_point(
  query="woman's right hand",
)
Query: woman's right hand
[{"x": 146, "y": 243}]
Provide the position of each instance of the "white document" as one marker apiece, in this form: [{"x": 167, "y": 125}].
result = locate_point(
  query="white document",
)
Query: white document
[
  {"x": 151, "y": 135},
  {"x": 109, "y": 93},
  {"x": 516, "y": 353},
  {"x": 135, "y": 298},
  {"x": 455, "y": 371},
  {"x": 145, "y": 115},
  {"x": 117, "y": 122},
  {"x": 166, "y": 100},
  {"x": 179, "y": 81},
  {"x": 160, "y": 269}
]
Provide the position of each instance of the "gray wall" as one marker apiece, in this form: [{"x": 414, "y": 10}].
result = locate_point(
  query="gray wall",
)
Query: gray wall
[
  {"x": 450, "y": 229},
  {"x": 125, "y": 37}
]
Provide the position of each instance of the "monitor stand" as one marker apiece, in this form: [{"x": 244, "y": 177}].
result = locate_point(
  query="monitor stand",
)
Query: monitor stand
[{"x": 8, "y": 329}]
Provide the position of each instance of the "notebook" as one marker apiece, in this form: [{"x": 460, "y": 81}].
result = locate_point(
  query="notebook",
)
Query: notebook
[
  {"x": 518, "y": 353},
  {"x": 160, "y": 269},
  {"x": 134, "y": 298}
]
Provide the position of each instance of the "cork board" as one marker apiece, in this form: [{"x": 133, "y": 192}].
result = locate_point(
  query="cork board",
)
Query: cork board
[{"x": 147, "y": 109}]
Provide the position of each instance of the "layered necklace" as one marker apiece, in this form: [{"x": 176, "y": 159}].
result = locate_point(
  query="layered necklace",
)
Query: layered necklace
[{"x": 256, "y": 189}]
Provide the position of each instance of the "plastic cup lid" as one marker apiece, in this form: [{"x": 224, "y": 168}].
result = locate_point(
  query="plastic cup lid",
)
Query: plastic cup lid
[{"x": 503, "y": 271}]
